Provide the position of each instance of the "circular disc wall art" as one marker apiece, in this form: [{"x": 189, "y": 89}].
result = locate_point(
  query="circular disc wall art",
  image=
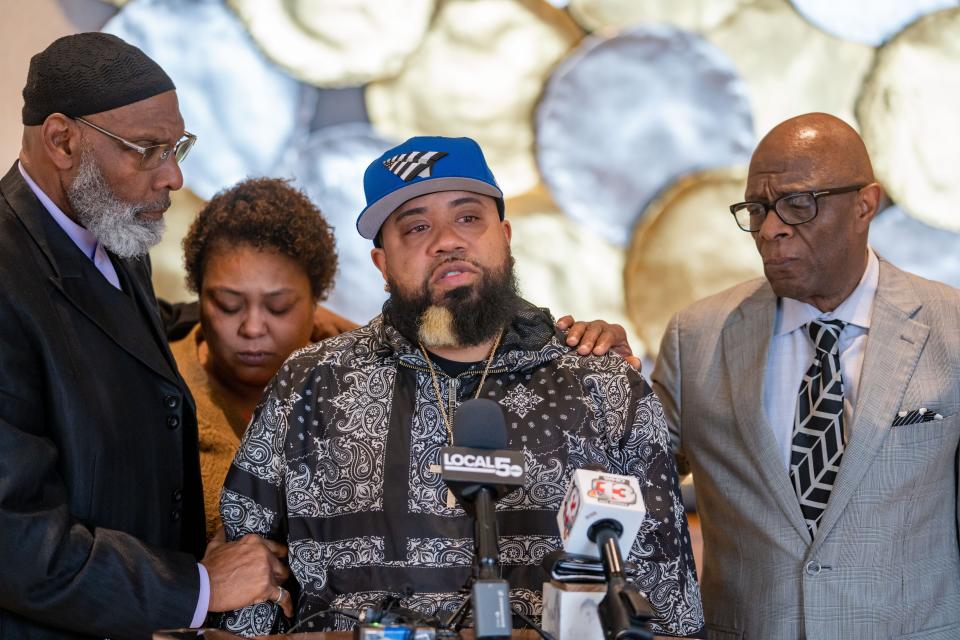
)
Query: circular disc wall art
[
  {"x": 478, "y": 74},
  {"x": 624, "y": 116},
  {"x": 687, "y": 247},
  {"x": 336, "y": 44},
  {"x": 243, "y": 110},
  {"x": 908, "y": 118}
]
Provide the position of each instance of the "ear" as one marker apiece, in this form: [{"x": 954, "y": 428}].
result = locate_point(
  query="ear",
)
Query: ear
[
  {"x": 868, "y": 203},
  {"x": 60, "y": 141},
  {"x": 507, "y": 230},
  {"x": 380, "y": 261}
]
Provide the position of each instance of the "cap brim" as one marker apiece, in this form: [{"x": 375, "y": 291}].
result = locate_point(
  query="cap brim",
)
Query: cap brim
[{"x": 373, "y": 217}]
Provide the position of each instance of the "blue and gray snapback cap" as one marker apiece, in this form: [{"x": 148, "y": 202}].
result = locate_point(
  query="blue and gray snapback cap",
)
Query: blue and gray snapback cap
[{"x": 420, "y": 166}]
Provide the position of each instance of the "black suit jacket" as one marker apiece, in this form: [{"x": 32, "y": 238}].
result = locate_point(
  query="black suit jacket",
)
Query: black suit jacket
[{"x": 101, "y": 508}]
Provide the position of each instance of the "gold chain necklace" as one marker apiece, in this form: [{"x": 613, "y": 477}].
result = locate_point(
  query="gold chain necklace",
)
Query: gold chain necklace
[{"x": 436, "y": 383}]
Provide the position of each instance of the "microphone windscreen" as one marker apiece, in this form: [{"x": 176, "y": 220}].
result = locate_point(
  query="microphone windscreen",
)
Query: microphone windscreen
[{"x": 479, "y": 424}]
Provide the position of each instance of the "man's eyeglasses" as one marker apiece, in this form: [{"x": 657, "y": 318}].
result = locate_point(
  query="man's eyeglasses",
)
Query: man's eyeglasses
[
  {"x": 792, "y": 209},
  {"x": 156, "y": 154}
]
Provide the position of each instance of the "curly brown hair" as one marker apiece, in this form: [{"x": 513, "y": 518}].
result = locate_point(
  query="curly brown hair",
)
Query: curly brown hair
[{"x": 266, "y": 214}]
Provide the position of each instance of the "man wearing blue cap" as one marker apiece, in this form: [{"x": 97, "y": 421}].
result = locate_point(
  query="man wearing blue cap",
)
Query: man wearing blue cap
[{"x": 340, "y": 460}]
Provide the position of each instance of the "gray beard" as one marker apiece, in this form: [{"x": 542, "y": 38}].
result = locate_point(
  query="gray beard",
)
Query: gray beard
[{"x": 112, "y": 221}]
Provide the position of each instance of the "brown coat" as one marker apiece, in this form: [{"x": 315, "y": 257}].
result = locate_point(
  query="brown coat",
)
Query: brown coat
[{"x": 218, "y": 423}]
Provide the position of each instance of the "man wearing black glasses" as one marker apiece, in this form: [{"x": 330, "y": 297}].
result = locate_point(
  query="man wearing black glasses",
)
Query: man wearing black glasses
[
  {"x": 101, "y": 510},
  {"x": 818, "y": 412}
]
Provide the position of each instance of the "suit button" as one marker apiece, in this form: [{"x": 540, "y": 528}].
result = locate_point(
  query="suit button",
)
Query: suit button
[
  {"x": 177, "y": 495},
  {"x": 171, "y": 402},
  {"x": 812, "y": 568},
  {"x": 173, "y": 422},
  {"x": 175, "y": 515}
]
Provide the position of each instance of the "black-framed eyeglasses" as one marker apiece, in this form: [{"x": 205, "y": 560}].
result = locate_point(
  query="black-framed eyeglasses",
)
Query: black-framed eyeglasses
[
  {"x": 792, "y": 208},
  {"x": 156, "y": 154}
]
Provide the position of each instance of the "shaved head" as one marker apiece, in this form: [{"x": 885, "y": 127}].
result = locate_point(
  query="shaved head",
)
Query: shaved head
[
  {"x": 819, "y": 145},
  {"x": 820, "y": 261}
]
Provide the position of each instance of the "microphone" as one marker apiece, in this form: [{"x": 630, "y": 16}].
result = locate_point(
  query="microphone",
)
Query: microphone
[
  {"x": 594, "y": 496},
  {"x": 479, "y": 470},
  {"x": 600, "y": 512}
]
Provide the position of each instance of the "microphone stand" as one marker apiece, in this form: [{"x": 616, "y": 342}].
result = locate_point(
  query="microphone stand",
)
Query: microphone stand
[
  {"x": 489, "y": 593},
  {"x": 455, "y": 621},
  {"x": 486, "y": 536},
  {"x": 466, "y": 471},
  {"x": 623, "y": 611}
]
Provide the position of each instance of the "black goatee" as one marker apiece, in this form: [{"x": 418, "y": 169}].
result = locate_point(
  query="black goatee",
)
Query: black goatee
[{"x": 466, "y": 316}]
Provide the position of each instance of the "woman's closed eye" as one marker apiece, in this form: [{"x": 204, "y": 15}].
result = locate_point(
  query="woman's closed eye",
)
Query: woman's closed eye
[
  {"x": 280, "y": 309},
  {"x": 229, "y": 308}
]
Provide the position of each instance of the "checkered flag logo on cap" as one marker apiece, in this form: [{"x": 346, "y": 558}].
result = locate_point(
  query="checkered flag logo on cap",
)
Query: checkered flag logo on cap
[
  {"x": 408, "y": 166},
  {"x": 817, "y": 445}
]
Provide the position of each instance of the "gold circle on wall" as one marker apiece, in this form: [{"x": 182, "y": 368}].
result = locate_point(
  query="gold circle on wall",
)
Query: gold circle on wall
[
  {"x": 565, "y": 266},
  {"x": 687, "y": 246},
  {"x": 167, "y": 257},
  {"x": 336, "y": 44},
  {"x": 791, "y": 66},
  {"x": 908, "y": 117},
  {"x": 478, "y": 73},
  {"x": 693, "y": 15}
]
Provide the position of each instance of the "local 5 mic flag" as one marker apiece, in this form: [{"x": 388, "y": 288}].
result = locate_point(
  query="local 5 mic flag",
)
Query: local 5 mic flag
[
  {"x": 596, "y": 495},
  {"x": 490, "y": 466}
]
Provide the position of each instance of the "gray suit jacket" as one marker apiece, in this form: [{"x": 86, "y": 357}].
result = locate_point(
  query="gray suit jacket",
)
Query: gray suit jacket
[{"x": 885, "y": 562}]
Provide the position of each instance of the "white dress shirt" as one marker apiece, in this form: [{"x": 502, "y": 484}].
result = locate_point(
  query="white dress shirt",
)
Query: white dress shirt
[
  {"x": 791, "y": 354},
  {"x": 85, "y": 241}
]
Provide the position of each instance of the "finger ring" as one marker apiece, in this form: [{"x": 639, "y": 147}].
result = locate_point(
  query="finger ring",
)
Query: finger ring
[{"x": 280, "y": 595}]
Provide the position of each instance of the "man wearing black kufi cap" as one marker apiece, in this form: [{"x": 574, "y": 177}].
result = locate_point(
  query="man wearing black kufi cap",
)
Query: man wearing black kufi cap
[{"x": 101, "y": 511}]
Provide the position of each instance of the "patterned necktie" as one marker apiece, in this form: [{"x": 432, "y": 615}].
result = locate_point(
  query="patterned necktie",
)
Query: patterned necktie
[{"x": 818, "y": 424}]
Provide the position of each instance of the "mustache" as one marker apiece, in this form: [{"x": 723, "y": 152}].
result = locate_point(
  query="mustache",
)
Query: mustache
[
  {"x": 160, "y": 205},
  {"x": 454, "y": 257}
]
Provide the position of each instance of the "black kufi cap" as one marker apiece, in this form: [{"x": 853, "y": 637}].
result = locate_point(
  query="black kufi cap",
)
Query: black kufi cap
[{"x": 88, "y": 73}]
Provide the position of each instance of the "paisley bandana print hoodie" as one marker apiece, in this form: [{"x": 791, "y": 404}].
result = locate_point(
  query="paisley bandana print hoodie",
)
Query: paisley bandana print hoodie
[{"x": 337, "y": 464}]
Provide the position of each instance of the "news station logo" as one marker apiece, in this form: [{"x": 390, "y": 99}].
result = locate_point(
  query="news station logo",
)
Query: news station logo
[
  {"x": 570, "y": 510},
  {"x": 499, "y": 466},
  {"x": 612, "y": 491}
]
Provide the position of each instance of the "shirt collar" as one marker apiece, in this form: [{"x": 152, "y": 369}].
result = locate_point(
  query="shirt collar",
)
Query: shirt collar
[
  {"x": 857, "y": 309},
  {"x": 81, "y": 237}
]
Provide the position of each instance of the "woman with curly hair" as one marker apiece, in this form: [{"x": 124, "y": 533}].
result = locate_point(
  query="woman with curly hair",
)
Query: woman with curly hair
[{"x": 261, "y": 257}]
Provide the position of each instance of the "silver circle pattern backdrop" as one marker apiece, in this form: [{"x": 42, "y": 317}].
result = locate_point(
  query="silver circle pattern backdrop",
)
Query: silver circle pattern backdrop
[{"x": 654, "y": 94}]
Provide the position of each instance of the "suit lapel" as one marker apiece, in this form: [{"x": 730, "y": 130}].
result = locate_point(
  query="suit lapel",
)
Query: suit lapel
[
  {"x": 893, "y": 349},
  {"x": 746, "y": 341},
  {"x": 142, "y": 292},
  {"x": 115, "y": 313},
  {"x": 74, "y": 276}
]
